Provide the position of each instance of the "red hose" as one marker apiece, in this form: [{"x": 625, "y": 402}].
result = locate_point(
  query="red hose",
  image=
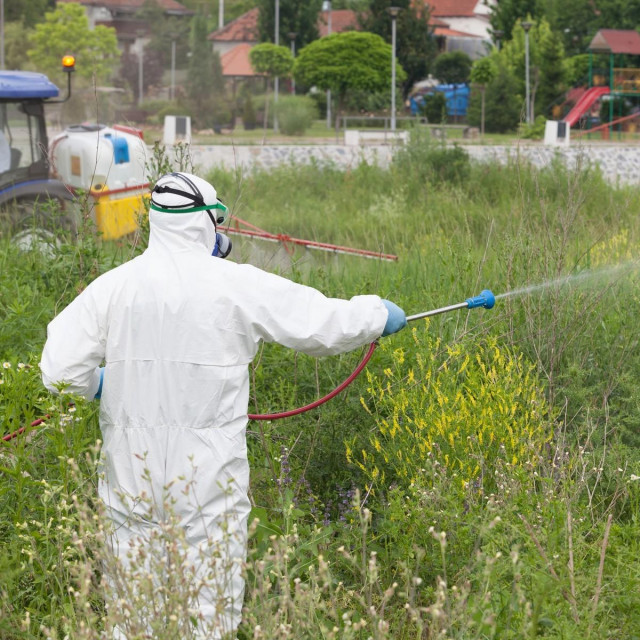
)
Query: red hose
[
  {"x": 259, "y": 416},
  {"x": 21, "y": 430},
  {"x": 294, "y": 412}
]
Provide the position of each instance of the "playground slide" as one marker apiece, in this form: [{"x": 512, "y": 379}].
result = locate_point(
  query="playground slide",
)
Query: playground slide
[{"x": 584, "y": 104}]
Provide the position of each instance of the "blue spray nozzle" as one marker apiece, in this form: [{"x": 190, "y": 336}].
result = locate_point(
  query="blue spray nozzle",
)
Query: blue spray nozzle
[{"x": 486, "y": 299}]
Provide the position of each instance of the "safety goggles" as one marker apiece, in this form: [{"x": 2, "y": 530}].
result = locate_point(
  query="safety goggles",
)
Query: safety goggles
[{"x": 220, "y": 218}]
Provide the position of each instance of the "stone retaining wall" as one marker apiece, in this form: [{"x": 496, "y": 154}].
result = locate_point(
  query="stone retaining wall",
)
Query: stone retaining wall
[{"x": 619, "y": 164}]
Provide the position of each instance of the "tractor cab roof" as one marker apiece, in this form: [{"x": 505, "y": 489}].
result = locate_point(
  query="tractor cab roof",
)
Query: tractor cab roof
[{"x": 26, "y": 85}]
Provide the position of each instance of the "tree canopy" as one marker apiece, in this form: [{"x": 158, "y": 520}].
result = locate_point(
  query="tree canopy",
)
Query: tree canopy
[
  {"x": 27, "y": 12},
  {"x": 452, "y": 67},
  {"x": 415, "y": 45},
  {"x": 273, "y": 60},
  {"x": 296, "y": 16},
  {"x": 66, "y": 31},
  {"x": 343, "y": 62},
  {"x": 575, "y": 21},
  {"x": 205, "y": 83},
  {"x": 546, "y": 60}
]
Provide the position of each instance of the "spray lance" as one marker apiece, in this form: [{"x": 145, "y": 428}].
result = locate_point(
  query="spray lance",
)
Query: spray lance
[{"x": 485, "y": 299}]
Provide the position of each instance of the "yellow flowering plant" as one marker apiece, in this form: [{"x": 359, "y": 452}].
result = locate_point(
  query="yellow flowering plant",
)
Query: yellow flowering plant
[{"x": 459, "y": 405}]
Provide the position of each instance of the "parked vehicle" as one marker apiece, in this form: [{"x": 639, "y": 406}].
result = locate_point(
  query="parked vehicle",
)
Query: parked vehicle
[{"x": 40, "y": 184}]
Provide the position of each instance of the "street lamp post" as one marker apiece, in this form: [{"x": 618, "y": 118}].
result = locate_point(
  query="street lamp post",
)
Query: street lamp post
[
  {"x": 292, "y": 36},
  {"x": 393, "y": 12},
  {"x": 326, "y": 6},
  {"x": 1, "y": 34},
  {"x": 172, "y": 93},
  {"x": 526, "y": 26},
  {"x": 140, "y": 67},
  {"x": 276, "y": 82}
]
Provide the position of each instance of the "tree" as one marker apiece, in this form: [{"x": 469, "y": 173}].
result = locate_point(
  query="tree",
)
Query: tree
[
  {"x": 152, "y": 70},
  {"x": 296, "y": 16},
  {"x": 575, "y": 22},
  {"x": 506, "y": 13},
  {"x": 343, "y": 62},
  {"x": 162, "y": 31},
  {"x": 552, "y": 70},
  {"x": 28, "y": 12},
  {"x": 546, "y": 63},
  {"x": 482, "y": 73},
  {"x": 577, "y": 69},
  {"x": 452, "y": 67},
  {"x": 435, "y": 107},
  {"x": 415, "y": 45},
  {"x": 15, "y": 55},
  {"x": 66, "y": 30},
  {"x": 272, "y": 60},
  {"x": 205, "y": 83},
  {"x": 503, "y": 104}
]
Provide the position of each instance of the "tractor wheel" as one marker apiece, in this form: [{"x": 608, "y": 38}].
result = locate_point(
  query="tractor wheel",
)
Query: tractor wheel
[{"x": 35, "y": 223}]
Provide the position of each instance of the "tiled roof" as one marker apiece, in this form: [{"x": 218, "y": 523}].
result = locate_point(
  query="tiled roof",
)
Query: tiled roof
[
  {"x": 616, "y": 41},
  {"x": 236, "y": 63},
  {"x": 436, "y": 22},
  {"x": 341, "y": 20},
  {"x": 453, "y": 8},
  {"x": 242, "y": 29},
  {"x": 170, "y": 6},
  {"x": 446, "y": 32}
]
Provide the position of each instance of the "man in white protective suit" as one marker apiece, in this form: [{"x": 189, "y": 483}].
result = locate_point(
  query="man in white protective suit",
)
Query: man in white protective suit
[{"x": 177, "y": 330}]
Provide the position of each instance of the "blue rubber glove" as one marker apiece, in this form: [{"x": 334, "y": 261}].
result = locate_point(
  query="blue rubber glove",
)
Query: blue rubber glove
[
  {"x": 99, "y": 391},
  {"x": 396, "y": 320}
]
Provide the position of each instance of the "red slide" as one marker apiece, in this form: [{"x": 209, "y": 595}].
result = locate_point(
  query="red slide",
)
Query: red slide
[{"x": 584, "y": 104}]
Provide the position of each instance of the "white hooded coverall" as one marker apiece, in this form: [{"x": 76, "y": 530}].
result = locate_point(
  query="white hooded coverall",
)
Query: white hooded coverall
[{"x": 177, "y": 330}]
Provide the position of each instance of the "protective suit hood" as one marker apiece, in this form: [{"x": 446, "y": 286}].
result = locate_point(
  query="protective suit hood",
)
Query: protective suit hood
[
  {"x": 185, "y": 211},
  {"x": 181, "y": 231}
]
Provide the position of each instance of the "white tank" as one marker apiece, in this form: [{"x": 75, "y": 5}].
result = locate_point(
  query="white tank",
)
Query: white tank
[{"x": 96, "y": 157}]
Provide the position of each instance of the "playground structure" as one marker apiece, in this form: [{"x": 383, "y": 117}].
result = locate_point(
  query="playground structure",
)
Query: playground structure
[{"x": 614, "y": 85}]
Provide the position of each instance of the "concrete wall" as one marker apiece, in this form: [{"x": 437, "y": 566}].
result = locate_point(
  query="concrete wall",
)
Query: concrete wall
[{"x": 619, "y": 164}]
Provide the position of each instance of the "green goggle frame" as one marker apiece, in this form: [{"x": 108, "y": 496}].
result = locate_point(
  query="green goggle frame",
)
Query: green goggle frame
[{"x": 220, "y": 219}]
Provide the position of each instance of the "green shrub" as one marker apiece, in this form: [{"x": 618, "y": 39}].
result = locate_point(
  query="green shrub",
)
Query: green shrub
[
  {"x": 534, "y": 131},
  {"x": 295, "y": 114},
  {"x": 426, "y": 160},
  {"x": 435, "y": 107},
  {"x": 249, "y": 119},
  {"x": 464, "y": 406}
]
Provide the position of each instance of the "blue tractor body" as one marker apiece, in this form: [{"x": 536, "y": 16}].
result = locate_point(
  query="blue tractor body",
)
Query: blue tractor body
[{"x": 24, "y": 160}]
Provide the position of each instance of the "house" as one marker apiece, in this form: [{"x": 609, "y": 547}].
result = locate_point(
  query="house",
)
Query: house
[
  {"x": 243, "y": 30},
  {"x": 122, "y": 15},
  {"x": 234, "y": 41},
  {"x": 462, "y": 24},
  {"x": 340, "y": 20}
]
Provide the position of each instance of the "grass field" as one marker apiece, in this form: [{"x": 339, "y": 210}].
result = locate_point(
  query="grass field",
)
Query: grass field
[
  {"x": 318, "y": 133},
  {"x": 480, "y": 480}
]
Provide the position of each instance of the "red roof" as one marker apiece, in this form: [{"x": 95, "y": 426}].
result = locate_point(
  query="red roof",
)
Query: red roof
[
  {"x": 341, "y": 20},
  {"x": 616, "y": 41},
  {"x": 446, "y": 32},
  {"x": 436, "y": 22},
  {"x": 236, "y": 61},
  {"x": 243, "y": 29},
  {"x": 170, "y": 6},
  {"x": 452, "y": 8}
]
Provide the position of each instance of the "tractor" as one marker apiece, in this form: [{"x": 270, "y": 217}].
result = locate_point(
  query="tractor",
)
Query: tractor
[{"x": 43, "y": 183}]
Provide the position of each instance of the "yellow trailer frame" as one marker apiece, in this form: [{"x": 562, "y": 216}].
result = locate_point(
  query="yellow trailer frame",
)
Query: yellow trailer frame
[{"x": 117, "y": 212}]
